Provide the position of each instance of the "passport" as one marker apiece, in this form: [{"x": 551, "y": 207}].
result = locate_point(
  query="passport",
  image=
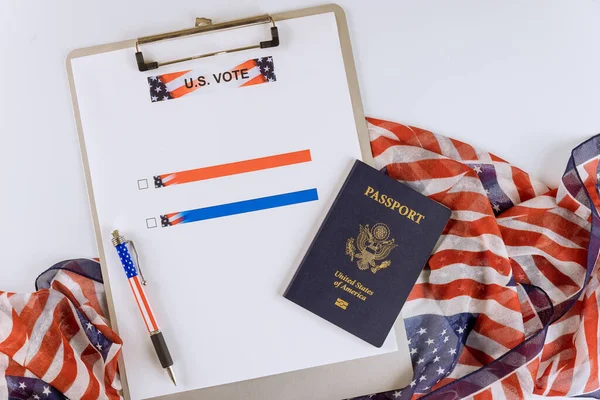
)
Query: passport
[{"x": 367, "y": 254}]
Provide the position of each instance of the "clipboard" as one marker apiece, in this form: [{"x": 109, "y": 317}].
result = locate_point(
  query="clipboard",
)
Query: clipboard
[{"x": 393, "y": 367}]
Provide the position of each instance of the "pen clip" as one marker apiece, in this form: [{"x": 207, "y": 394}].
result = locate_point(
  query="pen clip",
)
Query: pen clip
[{"x": 137, "y": 260}]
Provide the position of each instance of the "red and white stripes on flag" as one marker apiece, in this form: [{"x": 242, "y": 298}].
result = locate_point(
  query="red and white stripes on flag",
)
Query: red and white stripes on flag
[
  {"x": 506, "y": 230},
  {"x": 142, "y": 302},
  {"x": 60, "y": 336}
]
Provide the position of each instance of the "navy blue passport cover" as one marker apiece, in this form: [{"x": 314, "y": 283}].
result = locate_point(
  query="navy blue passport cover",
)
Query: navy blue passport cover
[{"x": 368, "y": 253}]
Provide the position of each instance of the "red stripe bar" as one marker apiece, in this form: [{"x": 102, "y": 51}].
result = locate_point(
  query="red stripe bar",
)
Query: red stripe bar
[{"x": 234, "y": 168}]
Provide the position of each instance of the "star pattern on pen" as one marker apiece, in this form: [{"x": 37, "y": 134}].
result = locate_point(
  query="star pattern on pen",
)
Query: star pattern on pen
[{"x": 126, "y": 260}]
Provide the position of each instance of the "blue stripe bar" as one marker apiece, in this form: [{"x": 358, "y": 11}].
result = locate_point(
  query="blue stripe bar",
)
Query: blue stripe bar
[{"x": 246, "y": 206}]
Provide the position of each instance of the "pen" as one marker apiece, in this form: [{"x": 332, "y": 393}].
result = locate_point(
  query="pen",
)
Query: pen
[{"x": 158, "y": 341}]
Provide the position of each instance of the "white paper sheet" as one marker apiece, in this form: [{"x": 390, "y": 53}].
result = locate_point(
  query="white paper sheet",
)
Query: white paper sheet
[{"x": 216, "y": 285}]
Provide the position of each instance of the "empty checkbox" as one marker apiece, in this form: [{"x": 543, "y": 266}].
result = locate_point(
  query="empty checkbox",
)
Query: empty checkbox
[
  {"x": 151, "y": 223},
  {"x": 142, "y": 184}
]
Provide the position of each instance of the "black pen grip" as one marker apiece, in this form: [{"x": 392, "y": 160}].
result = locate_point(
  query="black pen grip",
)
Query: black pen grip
[{"x": 162, "y": 351}]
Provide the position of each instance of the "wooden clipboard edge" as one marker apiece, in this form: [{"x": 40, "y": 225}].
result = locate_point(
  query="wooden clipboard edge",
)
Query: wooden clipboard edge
[
  {"x": 88, "y": 183},
  {"x": 357, "y": 108}
]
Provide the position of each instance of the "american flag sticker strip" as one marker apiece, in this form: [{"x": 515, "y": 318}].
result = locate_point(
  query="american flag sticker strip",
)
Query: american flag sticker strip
[
  {"x": 240, "y": 207},
  {"x": 178, "y": 84},
  {"x": 234, "y": 168}
]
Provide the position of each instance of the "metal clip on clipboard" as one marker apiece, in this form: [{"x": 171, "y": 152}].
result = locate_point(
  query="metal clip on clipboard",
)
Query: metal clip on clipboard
[{"x": 204, "y": 25}]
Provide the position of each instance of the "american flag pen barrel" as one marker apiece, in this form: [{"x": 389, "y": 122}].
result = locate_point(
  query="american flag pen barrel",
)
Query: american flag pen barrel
[{"x": 136, "y": 285}]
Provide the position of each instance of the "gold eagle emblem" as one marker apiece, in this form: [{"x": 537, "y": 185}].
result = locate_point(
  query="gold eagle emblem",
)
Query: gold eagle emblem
[{"x": 373, "y": 244}]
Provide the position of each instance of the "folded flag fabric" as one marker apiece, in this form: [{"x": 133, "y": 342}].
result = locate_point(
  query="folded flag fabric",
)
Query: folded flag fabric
[
  {"x": 56, "y": 343},
  {"x": 507, "y": 305}
]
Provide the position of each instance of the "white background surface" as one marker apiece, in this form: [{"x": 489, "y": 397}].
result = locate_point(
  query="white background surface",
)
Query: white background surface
[{"x": 519, "y": 78}]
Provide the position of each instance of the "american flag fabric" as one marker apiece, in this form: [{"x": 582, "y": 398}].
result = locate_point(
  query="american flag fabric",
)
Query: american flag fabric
[
  {"x": 507, "y": 305},
  {"x": 178, "y": 84},
  {"x": 56, "y": 343}
]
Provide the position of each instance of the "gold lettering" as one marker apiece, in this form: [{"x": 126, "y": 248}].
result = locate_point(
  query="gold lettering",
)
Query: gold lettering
[
  {"x": 344, "y": 278},
  {"x": 411, "y": 214},
  {"x": 353, "y": 292},
  {"x": 393, "y": 205},
  {"x": 364, "y": 288}
]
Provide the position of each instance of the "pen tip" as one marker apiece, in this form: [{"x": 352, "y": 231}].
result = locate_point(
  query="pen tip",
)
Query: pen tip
[{"x": 171, "y": 375}]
